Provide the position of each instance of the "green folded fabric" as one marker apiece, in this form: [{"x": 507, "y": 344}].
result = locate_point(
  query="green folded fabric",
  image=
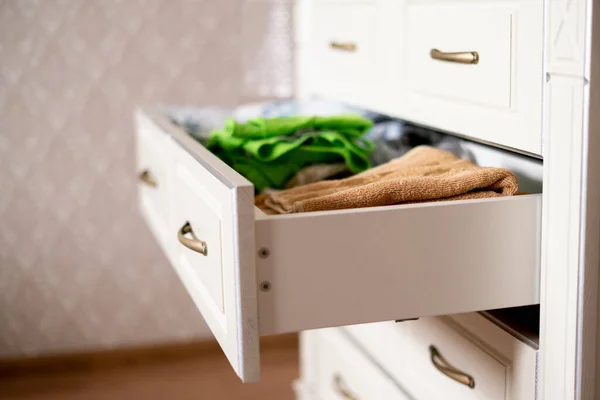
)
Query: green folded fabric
[
  {"x": 350, "y": 125},
  {"x": 268, "y": 152}
]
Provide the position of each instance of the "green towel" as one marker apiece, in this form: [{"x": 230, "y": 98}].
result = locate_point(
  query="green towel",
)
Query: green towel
[
  {"x": 268, "y": 152},
  {"x": 350, "y": 125}
]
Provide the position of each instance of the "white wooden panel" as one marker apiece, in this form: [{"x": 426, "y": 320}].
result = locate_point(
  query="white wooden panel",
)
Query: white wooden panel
[
  {"x": 488, "y": 373},
  {"x": 302, "y": 14},
  {"x": 520, "y": 359},
  {"x": 588, "y": 330},
  {"x": 219, "y": 204},
  {"x": 309, "y": 362},
  {"x": 151, "y": 157},
  {"x": 561, "y": 222},
  {"x": 403, "y": 350},
  {"x": 571, "y": 201},
  {"x": 486, "y": 30},
  {"x": 385, "y": 263},
  {"x": 348, "y": 76},
  {"x": 303, "y": 391},
  {"x": 203, "y": 210},
  {"x": 474, "y": 344},
  {"x": 469, "y": 111},
  {"x": 339, "y": 357}
]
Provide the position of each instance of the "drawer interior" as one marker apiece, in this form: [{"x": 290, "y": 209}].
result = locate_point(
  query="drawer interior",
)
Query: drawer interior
[{"x": 522, "y": 323}]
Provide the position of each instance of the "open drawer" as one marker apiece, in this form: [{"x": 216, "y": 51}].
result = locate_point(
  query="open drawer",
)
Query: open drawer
[{"x": 251, "y": 274}]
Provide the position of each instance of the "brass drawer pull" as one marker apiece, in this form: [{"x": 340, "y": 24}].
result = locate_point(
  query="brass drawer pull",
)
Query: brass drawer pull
[
  {"x": 147, "y": 177},
  {"x": 462, "y": 57},
  {"x": 194, "y": 243},
  {"x": 447, "y": 369},
  {"x": 340, "y": 388},
  {"x": 344, "y": 46}
]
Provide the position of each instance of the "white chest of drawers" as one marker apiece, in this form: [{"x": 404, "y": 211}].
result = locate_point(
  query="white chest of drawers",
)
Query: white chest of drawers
[{"x": 514, "y": 74}]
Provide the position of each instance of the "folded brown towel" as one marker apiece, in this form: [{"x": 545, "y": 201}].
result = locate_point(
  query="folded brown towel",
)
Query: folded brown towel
[
  {"x": 423, "y": 174},
  {"x": 316, "y": 173}
]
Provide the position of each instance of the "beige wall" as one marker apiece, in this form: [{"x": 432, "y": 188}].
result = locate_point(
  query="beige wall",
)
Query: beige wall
[{"x": 78, "y": 268}]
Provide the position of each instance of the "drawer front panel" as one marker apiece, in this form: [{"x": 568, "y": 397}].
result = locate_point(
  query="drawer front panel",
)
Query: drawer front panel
[
  {"x": 152, "y": 177},
  {"x": 211, "y": 236},
  {"x": 345, "y": 373},
  {"x": 496, "y": 100},
  {"x": 404, "y": 350},
  {"x": 201, "y": 211},
  {"x": 344, "y": 49},
  {"x": 452, "y": 30}
]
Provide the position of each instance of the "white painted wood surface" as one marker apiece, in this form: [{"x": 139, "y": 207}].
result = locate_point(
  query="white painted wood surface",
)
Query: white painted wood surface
[
  {"x": 151, "y": 157},
  {"x": 350, "y": 75},
  {"x": 451, "y": 28},
  {"x": 377, "y": 264},
  {"x": 403, "y": 350},
  {"x": 362, "y": 379},
  {"x": 303, "y": 391},
  {"x": 208, "y": 193},
  {"x": 571, "y": 204},
  {"x": 497, "y": 101},
  {"x": 206, "y": 212},
  {"x": 465, "y": 101},
  {"x": 589, "y": 332},
  {"x": 521, "y": 361},
  {"x": 502, "y": 366}
]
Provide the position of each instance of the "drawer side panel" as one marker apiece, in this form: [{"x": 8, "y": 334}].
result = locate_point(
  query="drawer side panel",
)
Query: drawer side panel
[{"x": 341, "y": 268}]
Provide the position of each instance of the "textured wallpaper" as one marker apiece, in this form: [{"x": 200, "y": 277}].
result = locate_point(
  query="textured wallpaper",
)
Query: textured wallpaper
[{"x": 78, "y": 267}]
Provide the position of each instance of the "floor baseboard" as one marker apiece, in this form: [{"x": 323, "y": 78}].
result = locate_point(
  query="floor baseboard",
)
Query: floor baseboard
[{"x": 147, "y": 354}]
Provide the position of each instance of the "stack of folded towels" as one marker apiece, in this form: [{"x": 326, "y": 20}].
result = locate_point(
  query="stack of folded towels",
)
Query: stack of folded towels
[
  {"x": 270, "y": 152},
  {"x": 300, "y": 160},
  {"x": 423, "y": 174}
]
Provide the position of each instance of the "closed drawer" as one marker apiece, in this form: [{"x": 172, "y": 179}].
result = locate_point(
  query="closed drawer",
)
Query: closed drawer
[
  {"x": 479, "y": 65},
  {"x": 435, "y": 358},
  {"x": 477, "y": 375},
  {"x": 265, "y": 275},
  {"x": 344, "y": 49},
  {"x": 151, "y": 164},
  {"x": 346, "y": 373},
  {"x": 461, "y": 54}
]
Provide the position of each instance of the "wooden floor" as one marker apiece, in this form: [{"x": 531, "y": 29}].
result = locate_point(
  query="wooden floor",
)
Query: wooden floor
[{"x": 205, "y": 376}]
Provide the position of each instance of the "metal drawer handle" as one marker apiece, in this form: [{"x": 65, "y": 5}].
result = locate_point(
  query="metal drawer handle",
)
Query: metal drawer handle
[
  {"x": 194, "y": 243},
  {"x": 462, "y": 57},
  {"x": 340, "y": 388},
  {"x": 344, "y": 46},
  {"x": 147, "y": 177},
  {"x": 447, "y": 369}
]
